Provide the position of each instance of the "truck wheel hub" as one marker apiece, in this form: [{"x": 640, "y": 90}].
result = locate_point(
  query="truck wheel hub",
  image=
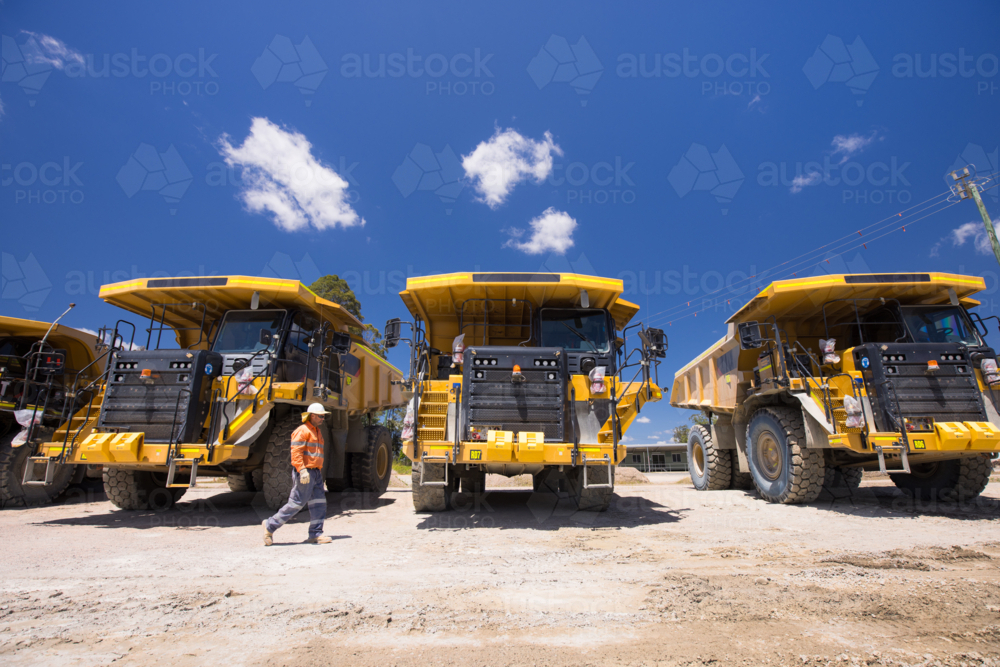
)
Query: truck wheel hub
[
  {"x": 769, "y": 456},
  {"x": 381, "y": 462},
  {"x": 699, "y": 458}
]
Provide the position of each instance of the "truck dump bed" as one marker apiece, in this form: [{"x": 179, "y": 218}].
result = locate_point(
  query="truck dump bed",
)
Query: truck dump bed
[{"x": 714, "y": 379}]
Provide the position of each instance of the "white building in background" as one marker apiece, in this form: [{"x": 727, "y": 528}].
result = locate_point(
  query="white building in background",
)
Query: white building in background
[{"x": 656, "y": 458}]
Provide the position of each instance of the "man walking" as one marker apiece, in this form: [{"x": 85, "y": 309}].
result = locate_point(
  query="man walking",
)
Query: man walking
[{"x": 307, "y": 477}]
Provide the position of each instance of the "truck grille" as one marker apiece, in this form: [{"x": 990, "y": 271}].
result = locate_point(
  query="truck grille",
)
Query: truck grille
[
  {"x": 170, "y": 405},
  {"x": 491, "y": 400},
  {"x": 949, "y": 394}
]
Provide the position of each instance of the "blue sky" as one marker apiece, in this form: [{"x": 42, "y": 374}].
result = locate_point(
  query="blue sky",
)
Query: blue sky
[{"x": 680, "y": 130}]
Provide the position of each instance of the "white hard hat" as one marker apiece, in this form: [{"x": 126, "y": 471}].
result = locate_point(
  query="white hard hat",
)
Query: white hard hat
[{"x": 317, "y": 409}]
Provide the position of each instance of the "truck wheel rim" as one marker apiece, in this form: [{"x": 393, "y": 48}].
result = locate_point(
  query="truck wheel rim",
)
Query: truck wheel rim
[
  {"x": 699, "y": 459},
  {"x": 769, "y": 455},
  {"x": 381, "y": 462}
]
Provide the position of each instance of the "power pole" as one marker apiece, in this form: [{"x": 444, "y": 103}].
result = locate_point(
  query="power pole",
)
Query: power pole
[{"x": 967, "y": 190}]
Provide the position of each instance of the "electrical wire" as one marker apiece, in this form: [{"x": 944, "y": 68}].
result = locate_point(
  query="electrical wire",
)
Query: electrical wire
[
  {"x": 889, "y": 225},
  {"x": 896, "y": 217}
]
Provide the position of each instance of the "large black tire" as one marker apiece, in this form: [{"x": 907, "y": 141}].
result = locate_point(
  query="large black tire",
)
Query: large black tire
[
  {"x": 13, "y": 461},
  {"x": 742, "y": 481},
  {"x": 241, "y": 482},
  {"x": 840, "y": 482},
  {"x": 278, "y": 462},
  {"x": 783, "y": 469},
  {"x": 958, "y": 479},
  {"x": 372, "y": 469},
  {"x": 139, "y": 489},
  {"x": 474, "y": 482},
  {"x": 432, "y": 498},
  {"x": 590, "y": 500},
  {"x": 711, "y": 468},
  {"x": 345, "y": 483}
]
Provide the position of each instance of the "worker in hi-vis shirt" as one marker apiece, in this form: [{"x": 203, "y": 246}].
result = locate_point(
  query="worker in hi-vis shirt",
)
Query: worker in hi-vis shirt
[{"x": 309, "y": 487}]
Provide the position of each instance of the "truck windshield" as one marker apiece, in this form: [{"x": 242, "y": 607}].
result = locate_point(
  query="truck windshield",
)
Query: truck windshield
[
  {"x": 240, "y": 332},
  {"x": 575, "y": 329},
  {"x": 936, "y": 324}
]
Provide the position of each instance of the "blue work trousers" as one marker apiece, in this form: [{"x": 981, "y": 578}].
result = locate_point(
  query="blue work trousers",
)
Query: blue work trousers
[{"x": 312, "y": 494}]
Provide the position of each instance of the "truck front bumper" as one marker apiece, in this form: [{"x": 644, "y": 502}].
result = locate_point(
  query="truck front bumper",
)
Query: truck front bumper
[
  {"x": 946, "y": 438},
  {"x": 506, "y": 451},
  {"x": 130, "y": 450}
]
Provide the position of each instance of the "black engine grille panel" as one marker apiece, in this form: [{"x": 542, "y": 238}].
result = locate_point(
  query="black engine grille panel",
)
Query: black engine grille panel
[
  {"x": 171, "y": 404},
  {"x": 899, "y": 372},
  {"x": 491, "y": 400}
]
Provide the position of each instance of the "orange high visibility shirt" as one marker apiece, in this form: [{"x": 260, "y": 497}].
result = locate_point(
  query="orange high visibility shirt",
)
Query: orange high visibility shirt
[{"x": 307, "y": 448}]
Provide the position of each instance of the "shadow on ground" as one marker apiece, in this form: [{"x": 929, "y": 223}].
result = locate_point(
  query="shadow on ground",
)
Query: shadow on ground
[
  {"x": 891, "y": 503},
  {"x": 544, "y": 511},
  {"x": 222, "y": 510}
]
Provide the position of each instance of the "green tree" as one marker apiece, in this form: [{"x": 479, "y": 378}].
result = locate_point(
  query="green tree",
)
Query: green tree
[
  {"x": 334, "y": 288},
  {"x": 700, "y": 419},
  {"x": 682, "y": 432}
]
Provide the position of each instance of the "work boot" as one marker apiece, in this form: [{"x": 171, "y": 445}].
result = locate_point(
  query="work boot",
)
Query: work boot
[
  {"x": 322, "y": 539},
  {"x": 268, "y": 535}
]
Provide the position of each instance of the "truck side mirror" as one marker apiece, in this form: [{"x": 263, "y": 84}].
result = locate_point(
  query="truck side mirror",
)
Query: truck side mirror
[
  {"x": 392, "y": 333},
  {"x": 265, "y": 337},
  {"x": 655, "y": 341},
  {"x": 341, "y": 342},
  {"x": 750, "y": 336}
]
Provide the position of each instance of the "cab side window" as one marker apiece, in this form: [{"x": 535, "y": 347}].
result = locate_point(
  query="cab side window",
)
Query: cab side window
[
  {"x": 882, "y": 326},
  {"x": 296, "y": 352}
]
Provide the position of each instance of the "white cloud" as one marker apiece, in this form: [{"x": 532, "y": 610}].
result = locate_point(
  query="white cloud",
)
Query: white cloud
[
  {"x": 281, "y": 177},
  {"x": 46, "y": 50},
  {"x": 970, "y": 231},
  {"x": 551, "y": 231},
  {"x": 848, "y": 145},
  {"x": 497, "y": 165},
  {"x": 664, "y": 442},
  {"x": 642, "y": 420},
  {"x": 805, "y": 180}
]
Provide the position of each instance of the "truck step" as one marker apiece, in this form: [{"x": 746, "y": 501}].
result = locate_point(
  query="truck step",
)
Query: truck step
[
  {"x": 433, "y": 408},
  {"x": 431, "y": 434},
  {"x": 172, "y": 471},
  {"x": 881, "y": 451},
  {"x": 29, "y": 471}
]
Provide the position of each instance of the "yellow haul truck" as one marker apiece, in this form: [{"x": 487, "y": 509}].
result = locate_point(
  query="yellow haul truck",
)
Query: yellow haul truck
[
  {"x": 515, "y": 373},
  {"x": 228, "y": 366},
  {"x": 818, "y": 379},
  {"x": 46, "y": 371}
]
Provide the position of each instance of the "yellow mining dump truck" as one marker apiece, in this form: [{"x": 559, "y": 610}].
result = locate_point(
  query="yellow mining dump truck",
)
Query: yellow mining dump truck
[
  {"x": 46, "y": 371},
  {"x": 522, "y": 373},
  {"x": 226, "y": 368},
  {"x": 818, "y": 379}
]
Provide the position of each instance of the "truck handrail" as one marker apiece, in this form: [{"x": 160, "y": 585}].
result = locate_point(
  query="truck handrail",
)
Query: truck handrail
[
  {"x": 486, "y": 319},
  {"x": 71, "y": 409}
]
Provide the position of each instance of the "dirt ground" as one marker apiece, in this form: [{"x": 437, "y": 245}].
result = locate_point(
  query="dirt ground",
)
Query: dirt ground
[{"x": 668, "y": 576}]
